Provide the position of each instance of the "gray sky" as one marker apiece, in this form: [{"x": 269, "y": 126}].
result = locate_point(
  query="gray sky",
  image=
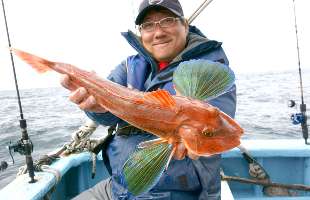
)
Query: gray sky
[{"x": 257, "y": 35}]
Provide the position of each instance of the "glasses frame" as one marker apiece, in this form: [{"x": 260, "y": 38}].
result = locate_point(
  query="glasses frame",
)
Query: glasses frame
[{"x": 140, "y": 27}]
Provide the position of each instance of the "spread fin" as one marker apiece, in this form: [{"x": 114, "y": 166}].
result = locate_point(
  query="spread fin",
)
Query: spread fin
[
  {"x": 145, "y": 166},
  {"x": 203, "y": 79},
  {"x": 150, "y": 143},
  {"x": 161, "y": 97}
]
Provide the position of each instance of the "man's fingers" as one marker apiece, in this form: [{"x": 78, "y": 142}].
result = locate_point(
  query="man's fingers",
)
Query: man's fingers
[
  {"x": 180, "y": 151},
  {"x": 88, "y": 103},
  {"x": 78, "y": 95},
  {"x": 65, "y": 82}
]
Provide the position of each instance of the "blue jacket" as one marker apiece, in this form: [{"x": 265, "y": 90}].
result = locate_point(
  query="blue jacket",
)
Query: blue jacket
[{"x": 184, "y": 179}]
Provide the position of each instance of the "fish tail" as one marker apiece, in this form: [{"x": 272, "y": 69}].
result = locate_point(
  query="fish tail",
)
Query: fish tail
[
  {"x": 145, "y": 166},
  {"x": 203, "y": 79},
  {"x": 41, "y": 65}
]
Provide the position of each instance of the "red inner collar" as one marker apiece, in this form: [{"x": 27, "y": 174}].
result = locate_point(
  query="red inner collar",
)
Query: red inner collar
[{"x": 162, "y": 65}]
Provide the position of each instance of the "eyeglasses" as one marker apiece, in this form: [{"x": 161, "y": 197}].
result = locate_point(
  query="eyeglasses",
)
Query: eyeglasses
[{"x": 163, "y": 23}]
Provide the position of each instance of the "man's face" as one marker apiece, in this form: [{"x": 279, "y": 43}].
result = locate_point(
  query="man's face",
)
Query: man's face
[{"x": 164, "y": 44}]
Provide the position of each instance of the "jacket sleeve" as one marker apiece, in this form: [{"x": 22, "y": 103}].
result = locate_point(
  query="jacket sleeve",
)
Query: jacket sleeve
[{"x": 118, "y": 75}]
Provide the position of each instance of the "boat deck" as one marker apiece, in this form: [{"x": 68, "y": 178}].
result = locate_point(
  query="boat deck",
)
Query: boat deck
[{"x": 286, "y": 161}]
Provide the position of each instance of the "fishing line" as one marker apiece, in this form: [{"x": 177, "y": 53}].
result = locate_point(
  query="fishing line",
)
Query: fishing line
[
  {"x": 303, "y": 107},
  {"x": 24, "y": 145}
]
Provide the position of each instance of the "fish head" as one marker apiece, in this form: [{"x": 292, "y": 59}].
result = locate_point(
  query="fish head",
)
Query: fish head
[{"x": 209, "y": 131}]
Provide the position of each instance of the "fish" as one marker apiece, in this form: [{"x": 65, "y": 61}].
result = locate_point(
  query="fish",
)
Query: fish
[{"x": 186, "y": 118}]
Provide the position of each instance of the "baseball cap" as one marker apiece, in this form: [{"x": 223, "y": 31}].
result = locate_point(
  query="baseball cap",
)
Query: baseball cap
[{"x": 173, "y": 5}]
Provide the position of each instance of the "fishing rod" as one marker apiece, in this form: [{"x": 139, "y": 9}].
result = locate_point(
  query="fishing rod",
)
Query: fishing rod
[
  {"x": 199, "y": 10},
  {"x": 300, "y": 118},
  {"x": 24, "y": 146}
]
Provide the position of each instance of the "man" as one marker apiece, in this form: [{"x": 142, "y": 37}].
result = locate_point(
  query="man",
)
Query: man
[{"x": 165, "y": 40}]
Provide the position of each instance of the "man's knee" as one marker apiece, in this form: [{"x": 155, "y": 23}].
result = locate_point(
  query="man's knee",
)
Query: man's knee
[{"x": 101, "y": 190}]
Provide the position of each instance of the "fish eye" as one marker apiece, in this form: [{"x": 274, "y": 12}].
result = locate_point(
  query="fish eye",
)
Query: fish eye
[{"x": 208, "y": 133}]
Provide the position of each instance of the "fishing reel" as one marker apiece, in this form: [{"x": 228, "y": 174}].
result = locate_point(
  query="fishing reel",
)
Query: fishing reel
[
  {"x": 17, "y": 147},
  {"x": 21, "y": 146},
  {"x": 300, "y": 118},
  {"x": 24, "y": 146},
  {"x": 3, "y": 165},
  {"x": 296, "y": 118},
  {"x": 291, "y": 103}
]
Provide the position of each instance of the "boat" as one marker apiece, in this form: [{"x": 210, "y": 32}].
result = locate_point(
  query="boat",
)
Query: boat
[{"x": 287, "y": 162}]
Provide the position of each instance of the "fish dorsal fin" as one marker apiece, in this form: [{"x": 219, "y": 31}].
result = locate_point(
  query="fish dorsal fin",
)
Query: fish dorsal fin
[
  {"x": 161, "y": 97},
  {"x": 203, "y": 79}
]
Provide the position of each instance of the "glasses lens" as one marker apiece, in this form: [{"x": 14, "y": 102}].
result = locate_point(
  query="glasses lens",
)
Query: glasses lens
[
  {"x": 163, "y": 23},
  {"x": 167, "y": 22},
  {"x": 147, "y": 26}
]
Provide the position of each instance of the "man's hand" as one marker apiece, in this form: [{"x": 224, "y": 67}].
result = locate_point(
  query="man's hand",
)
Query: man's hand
[{"x": 81, "y": 97}]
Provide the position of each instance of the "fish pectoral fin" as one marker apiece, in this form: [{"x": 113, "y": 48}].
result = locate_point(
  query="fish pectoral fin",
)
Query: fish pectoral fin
[
  {"x": 145, "y": 166},
  {"x": 161, "y": 97},
  {"x": 203, "y": 79},
  {"x": 150, "y": 143}
]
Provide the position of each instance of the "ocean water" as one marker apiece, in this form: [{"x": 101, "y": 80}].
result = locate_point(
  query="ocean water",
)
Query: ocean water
[{"x": 51, "y": 118}]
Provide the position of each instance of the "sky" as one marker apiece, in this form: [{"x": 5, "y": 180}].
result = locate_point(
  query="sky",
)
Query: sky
[{"x": 257, "y": 35}]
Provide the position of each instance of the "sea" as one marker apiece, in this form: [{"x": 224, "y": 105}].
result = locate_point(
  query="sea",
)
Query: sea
[{"x": 262, "y": 110}]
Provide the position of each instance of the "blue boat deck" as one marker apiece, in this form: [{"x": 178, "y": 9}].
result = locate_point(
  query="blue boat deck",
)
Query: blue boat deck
[{"x": 286, "y": 161}]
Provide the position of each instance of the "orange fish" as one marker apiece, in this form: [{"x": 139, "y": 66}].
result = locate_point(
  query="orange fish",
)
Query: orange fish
[{"x": 203, "y": 129}]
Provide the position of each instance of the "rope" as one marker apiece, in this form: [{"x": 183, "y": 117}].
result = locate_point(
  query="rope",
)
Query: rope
[
  {"x": 41, "y": 165},
  {"x": 93, "y": 172},
  {"x": 80, "y": 142},
  {"x": 81, "y": 139},
  {"x": 255, "y": 169}
]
